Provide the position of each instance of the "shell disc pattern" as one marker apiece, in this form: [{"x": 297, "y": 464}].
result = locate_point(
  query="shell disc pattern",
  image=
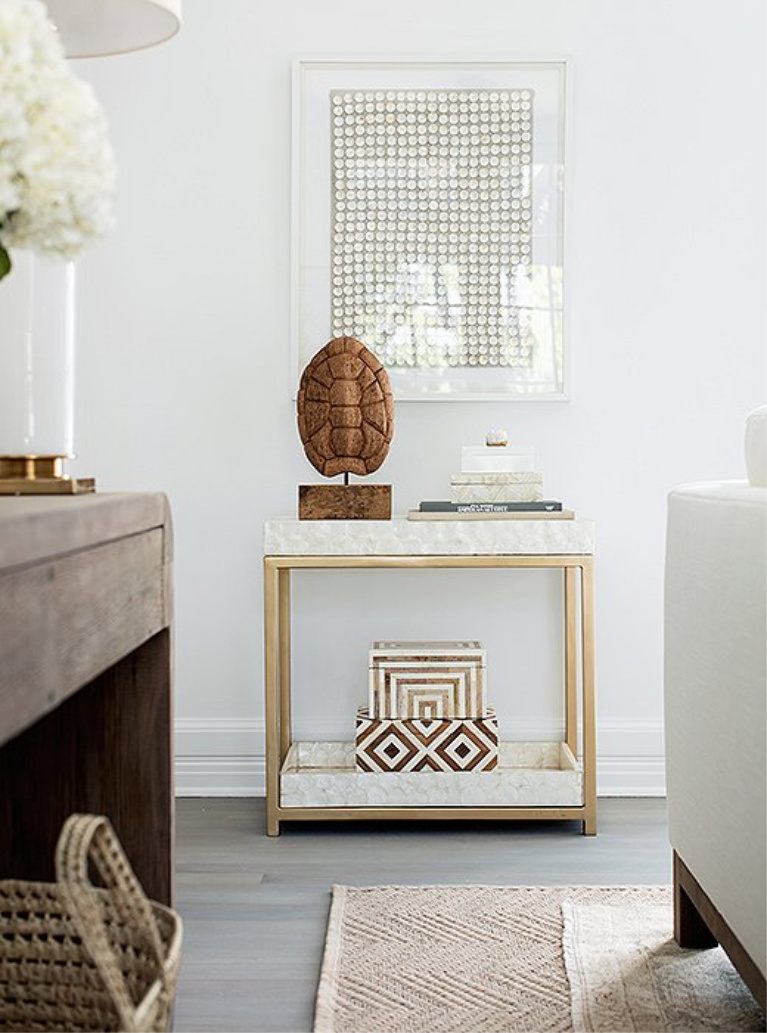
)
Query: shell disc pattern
[{"x": 345, "y": 409}]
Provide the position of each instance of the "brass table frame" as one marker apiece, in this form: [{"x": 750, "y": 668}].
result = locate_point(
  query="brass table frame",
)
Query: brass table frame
[{"x": 278, "y": 697}]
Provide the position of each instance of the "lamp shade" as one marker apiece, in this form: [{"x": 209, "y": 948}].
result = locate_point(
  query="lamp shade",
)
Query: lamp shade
[{"x": 96, "y": 28}]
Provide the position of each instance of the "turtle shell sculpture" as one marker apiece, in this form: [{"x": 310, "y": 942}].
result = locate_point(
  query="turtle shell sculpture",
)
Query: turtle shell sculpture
[{"x": 345, "y": 409}]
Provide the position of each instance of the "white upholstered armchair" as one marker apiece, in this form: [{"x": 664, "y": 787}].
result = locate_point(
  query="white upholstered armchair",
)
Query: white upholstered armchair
[{"x": 715, "y": 691}]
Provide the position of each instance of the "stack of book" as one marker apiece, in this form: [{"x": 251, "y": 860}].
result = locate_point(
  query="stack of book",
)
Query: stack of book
[{"x": 494, "y": 483}]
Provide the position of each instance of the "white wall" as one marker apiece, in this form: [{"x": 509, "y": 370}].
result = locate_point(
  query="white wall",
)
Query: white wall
[{"x": 184, "y": 372}]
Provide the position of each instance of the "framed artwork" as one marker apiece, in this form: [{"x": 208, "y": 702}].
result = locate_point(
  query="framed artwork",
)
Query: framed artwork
[{"x": 428, "y": 213}]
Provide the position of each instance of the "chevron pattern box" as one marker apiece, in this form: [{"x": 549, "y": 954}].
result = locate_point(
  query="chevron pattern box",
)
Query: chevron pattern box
[
  {"x": 465, "y": 744},
  {"x": 427, "y": 680}
]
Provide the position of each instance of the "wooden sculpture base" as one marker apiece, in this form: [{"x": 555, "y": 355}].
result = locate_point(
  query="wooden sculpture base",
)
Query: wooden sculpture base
[{"x": 344, "y": 502}]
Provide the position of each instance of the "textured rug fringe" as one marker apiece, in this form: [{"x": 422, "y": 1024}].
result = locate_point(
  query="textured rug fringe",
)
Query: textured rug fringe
[
  {"x": 327, "y": 990},
  {"x": 578, "y": 1004}
]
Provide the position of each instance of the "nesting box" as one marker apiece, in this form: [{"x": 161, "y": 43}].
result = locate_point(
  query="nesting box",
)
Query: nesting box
[
  {"x": 427, "y": 680},
  {"x": 494, "y": 458},
  {"x": 413, "y": 744},
  {"x": 496, "y": 487}
]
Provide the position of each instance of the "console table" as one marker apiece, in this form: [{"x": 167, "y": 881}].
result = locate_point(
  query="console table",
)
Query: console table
[
  {"x": 541, "y": 781},
  {"x": 85, "y": 678}
]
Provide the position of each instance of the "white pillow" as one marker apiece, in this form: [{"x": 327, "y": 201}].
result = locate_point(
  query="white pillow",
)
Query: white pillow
[{"x": 756, "y": 447}]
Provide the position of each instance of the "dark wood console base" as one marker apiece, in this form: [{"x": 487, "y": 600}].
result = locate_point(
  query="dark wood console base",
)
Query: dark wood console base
[
  {"x": 86, "y": 705},
  {"x": 105, "y": 750}
]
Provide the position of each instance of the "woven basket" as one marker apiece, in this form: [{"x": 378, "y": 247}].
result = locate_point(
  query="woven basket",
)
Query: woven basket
[{"x": 75, "y": 956}]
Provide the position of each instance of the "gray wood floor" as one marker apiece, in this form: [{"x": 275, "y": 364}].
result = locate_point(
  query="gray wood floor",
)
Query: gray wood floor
[{"x": 255, "y": 909}]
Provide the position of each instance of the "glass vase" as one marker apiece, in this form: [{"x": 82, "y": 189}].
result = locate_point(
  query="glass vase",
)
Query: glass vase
[{"x": 37, "y": 366}]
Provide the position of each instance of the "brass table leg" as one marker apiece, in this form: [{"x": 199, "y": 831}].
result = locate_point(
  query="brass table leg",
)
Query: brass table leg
[
  {"x": 589, "y": 702},
  {"x": 571, "y": 658},
  {"x": 271, "y": 692}
]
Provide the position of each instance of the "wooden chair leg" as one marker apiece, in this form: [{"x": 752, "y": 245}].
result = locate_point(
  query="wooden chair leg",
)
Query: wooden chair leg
[{"x": 690, "y": 930}]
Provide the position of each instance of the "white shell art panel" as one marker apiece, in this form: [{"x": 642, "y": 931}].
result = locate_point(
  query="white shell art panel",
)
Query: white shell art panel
[{"x": 432, "y": 225}]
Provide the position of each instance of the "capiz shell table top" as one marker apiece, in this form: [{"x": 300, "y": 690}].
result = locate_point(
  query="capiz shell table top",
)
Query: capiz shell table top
[{"x": 402, "y": 537}]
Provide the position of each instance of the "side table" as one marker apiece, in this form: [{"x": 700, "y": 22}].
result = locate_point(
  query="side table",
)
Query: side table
[{"x": 540, "y": 781}]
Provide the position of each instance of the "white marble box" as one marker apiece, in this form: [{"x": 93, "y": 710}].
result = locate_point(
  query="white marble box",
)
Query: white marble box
[
  {"x": 529, "y": 774},
  {"x": 499, "y": 458},
  {"x": 415, "y": 744},
  {"x": 427, "y": 680}
]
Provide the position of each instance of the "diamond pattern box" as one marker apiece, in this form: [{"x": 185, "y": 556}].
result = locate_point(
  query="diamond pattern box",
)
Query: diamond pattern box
[
  {"x": 393, "y": 744},
  {"x": 427, "y": 680}
]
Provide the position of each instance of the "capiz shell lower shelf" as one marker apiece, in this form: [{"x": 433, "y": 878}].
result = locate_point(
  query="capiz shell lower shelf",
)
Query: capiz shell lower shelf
[{"x": 529, "y": 774}]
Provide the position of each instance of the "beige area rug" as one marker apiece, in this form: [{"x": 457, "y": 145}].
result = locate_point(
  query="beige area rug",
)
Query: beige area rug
[{"x": 500, "y": 959}]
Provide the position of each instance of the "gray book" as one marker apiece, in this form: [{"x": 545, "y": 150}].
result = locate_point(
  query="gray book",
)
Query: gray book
[{"x": 545, "y": 506}]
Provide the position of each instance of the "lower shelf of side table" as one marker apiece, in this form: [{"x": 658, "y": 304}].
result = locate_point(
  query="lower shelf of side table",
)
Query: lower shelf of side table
[{"x": 530, "y": 774}]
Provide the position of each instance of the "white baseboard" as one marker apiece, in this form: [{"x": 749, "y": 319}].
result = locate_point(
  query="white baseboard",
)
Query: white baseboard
[
  {"x": 224, "y": 757},
  {"x": 220, "y": 757},
  {"x": 220, "y": 776},
  {"x": 631, "y": 776},
  {"x": 631, "y": 758}
]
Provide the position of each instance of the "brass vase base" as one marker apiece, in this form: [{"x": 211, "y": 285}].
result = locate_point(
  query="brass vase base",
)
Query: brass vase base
[{"x": 40, "y": 475}]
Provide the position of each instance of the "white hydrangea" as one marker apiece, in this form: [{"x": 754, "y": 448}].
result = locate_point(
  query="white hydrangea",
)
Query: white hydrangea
[{"x": 57, "y": 169}]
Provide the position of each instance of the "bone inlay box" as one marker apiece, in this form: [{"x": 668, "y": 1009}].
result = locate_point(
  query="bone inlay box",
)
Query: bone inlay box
[
  {"x": 427, "y": 680},
  {"x": 393, "y": 744}
]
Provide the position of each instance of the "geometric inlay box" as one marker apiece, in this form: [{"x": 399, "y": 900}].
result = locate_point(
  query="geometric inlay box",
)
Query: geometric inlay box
[
  {"x": 412, "y": 744},
  {"x": 427, "y": 680}
]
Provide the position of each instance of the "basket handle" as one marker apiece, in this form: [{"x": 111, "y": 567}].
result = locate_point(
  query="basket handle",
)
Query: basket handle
[{"x": 85, "y": 838}]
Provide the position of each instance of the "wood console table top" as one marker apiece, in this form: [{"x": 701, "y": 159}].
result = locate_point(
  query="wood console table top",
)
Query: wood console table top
[
  {"x": 83, "y": 582},
  {"x": 33, "y": 528}
]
